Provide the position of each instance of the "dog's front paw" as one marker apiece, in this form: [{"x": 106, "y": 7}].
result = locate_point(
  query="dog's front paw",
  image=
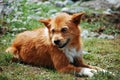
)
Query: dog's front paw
[
  {"x": 87, "y": 72},
  {"x": 100, "y": 69}
]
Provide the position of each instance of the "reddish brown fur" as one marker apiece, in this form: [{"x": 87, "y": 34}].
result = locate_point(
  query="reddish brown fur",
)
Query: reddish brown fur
[{"x": 35, "y": 47}]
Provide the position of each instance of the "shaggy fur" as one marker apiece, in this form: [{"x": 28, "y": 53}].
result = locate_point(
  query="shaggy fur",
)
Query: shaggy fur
[{"x": 58, "y": 45}]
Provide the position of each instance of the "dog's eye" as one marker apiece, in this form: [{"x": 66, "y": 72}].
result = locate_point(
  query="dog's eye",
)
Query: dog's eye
[
  {"x": 64, "y": 30},
  {"x": 53, "y": 30}
]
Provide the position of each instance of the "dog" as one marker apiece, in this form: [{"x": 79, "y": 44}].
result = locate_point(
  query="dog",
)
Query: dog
[{"x": 58, "y": 45}]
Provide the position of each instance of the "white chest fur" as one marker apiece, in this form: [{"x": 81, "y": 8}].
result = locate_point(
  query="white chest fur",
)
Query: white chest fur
[{"x": 71, "y": 53}]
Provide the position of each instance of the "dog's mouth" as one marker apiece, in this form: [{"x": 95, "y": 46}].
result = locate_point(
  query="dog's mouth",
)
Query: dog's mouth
[{"x": 63, "y": 45}]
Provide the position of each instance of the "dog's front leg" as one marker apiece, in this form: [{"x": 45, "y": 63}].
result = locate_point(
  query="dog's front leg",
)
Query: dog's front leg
[
  {"x": 62, "y": 64},
  {"x": 80, "y": 63}
]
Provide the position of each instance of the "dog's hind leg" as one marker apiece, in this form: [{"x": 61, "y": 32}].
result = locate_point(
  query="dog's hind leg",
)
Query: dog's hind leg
[{"x": 14, "y": 51}]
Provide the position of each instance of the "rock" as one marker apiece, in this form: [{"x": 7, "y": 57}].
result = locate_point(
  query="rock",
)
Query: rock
[
  {"x": 1, "y": 7},
  {"x": 18, "y": 13},
  {"x": 73, "y": 10},
  {"x": 85, "y": 34},
  {"x": 34, "y": 17},
  {"x": 38, "y": 13},
  {"x": 4, "y": 41},
  {"x": 104, "y": 36},
  {"x": 93, "y": 34},
  {"x": 10, "y": 1},
  {"x": 7, "y": 10},
  {"x": 102, "y": 4},
  {"x": 19, "y": 29},
  {"x": 1, "y": 1},
  {"x": 16, "y": 20},
  {"x": 110, "y": 37},
  {"x": 68, "y": 2},
  {"x": 108, "y": 11},
  {"x": 52, "y": 11},
  {"x": 78, "y": 9},
  {"x": 8, "y": 20},
  {"x": 59, "y": 4},
  {"x": 97, "y": 4},
  {"x": 33, "y": 1},
  {"x": 115, "y": 3},
  {"x": 39, "y": 3},
  {"x": 65, "y": 9},
  {"x": 1, "y": 11},
  {"x": 14, "y": 29},
  {"x": 85, "y": 52},
  {"x": 46, "y": 3}
]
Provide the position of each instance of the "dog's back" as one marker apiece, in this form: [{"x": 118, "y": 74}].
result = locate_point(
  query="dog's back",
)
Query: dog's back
[{"x": 32, "y": 46}]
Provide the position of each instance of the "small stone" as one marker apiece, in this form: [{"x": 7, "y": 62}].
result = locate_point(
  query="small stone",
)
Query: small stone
[
  {"x": 46, "y": 3},
  {"x": 85, "y": 52},
  {"x": 1, "y": 8},
  {"x": 39, "y": 3},
  {"x": 38, "y": 13},
  {"x": 24, "y": 22},
  {"x": 22, "y": 29},
  {"x": 108, "y": 11},
  {"x": 65, "y": 9},
  {"x": 93, "y": 34},
  {"x": 8, "y": 20},
  {"x": 69, "y": 2},
  {"x": 8, "y": 10},
  {"x": 4, "y": 41},
  {"x": 84, "y": 33},
  {"x": 13, "y": 34},
  {"x": 60, "y": 4},
  {"x": 14, "y": 29},
  {"x": 1, "y": 1},
  {"x": 29, "y": 18},
  {"x": 18, "y": 13},
  {"x": 34, "y": 1},
  {"x": 19, "y": 29},
  {"x": 14, "y": 20},
  {"x": 102, "y": 36},
  {"x": 52, "y": 16},
  {"x": 110, "y": 37},
  {"x": 105, "y": 36},
  {"x": 52, "y": 11},
  {"x": 33, "y": 17}
]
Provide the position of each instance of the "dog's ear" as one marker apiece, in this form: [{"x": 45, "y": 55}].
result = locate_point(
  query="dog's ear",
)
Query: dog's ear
[
  {"x": 77, "y": 17},
  {"x": 46, "y": 22}
]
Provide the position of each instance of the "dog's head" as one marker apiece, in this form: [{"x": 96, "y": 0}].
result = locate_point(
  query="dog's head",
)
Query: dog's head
[{"x": 63, "y": 28}]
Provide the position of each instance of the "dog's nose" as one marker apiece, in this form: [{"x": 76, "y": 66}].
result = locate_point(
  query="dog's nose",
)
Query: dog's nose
[{"x": 57, "y": 42}]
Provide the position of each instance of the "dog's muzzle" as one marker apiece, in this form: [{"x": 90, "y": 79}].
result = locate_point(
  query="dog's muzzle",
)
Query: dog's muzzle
[{"x": 58, "y": 43}]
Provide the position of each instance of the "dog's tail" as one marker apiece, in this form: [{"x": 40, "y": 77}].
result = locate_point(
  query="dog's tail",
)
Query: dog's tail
[{"x": 12, "y": 50}]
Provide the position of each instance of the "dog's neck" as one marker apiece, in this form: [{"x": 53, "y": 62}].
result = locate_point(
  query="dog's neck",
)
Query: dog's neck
[
  {"x": 76, "y": 43},
  {"x": 71, "y": 53},
  {"x": 73, "y": 50}
]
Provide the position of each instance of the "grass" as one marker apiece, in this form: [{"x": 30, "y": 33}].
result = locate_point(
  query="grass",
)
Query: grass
[{"x": 103, "y": 53}]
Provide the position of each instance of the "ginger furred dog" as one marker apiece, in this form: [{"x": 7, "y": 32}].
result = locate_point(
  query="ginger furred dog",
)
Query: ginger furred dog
[{"x": 58, "y": 45}]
